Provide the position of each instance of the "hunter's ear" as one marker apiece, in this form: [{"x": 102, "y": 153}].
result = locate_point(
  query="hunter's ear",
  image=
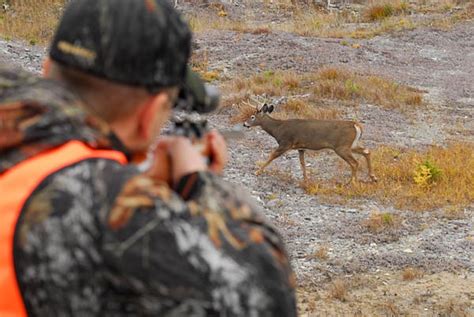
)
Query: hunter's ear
[
  {"x": 270, "y": 109},
  {"x": 46, "y": 67},
  {"x": 264, "y": 108}
]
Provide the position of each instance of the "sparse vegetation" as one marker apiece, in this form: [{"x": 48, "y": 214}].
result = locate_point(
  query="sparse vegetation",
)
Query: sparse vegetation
[
  {"x": 200, "y": 63},
  {"x": 33, "y": 21},
  {"x": 427, "y": 173},
  {"x": 394, "y": 297},
  {"x": 391, "y": 309},
  {"x": 338, "y": 289},
  {"x": 336, "y": 85},
  {"x": 396, "y": 169},
  {"x": 378, "y": 222},
  {"x": 411, "y": 273},
  {"x": 378, "y": 17},
  {"x": 380, "y": 10},
  {"x": 454, "y": 212},
  {"x": 201, "y": 23},
  {"x": 300, "y": 108},
  {"x": 345, "y": 85},
  {"x": 270, "y": 83},
  {"x": 321, "y": 253},
  {"x": 384, "y": 16},
  {"x": 455, "y": 308}
]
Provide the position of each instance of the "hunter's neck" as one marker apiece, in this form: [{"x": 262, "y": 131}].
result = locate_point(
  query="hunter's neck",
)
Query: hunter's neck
[{"x": 270, "y": 125}]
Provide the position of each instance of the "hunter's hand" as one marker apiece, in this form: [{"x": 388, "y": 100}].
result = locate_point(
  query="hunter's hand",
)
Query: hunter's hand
[
  {"x": 216, "y": 151},
  {"x": 175, "y": 157}
]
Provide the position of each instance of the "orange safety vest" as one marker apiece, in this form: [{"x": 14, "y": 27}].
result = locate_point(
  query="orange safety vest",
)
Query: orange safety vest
[{"x": 16, "y": 185}]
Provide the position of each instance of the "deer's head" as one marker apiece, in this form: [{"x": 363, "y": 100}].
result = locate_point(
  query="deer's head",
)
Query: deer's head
[{"x": 256, "y": 118}]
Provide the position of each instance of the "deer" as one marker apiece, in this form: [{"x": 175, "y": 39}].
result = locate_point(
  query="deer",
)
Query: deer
[{"x": 341, "y": 136}]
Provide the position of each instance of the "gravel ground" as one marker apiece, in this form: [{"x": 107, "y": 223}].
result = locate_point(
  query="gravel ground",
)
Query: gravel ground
[{"x": 441, "y": 63}]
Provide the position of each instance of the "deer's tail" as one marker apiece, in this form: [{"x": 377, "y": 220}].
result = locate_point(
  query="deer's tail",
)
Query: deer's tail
[{"x": 358, "y": 129}]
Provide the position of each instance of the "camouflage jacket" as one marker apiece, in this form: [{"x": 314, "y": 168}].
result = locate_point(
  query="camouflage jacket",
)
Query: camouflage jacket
[{"x": 101, "y": 239}]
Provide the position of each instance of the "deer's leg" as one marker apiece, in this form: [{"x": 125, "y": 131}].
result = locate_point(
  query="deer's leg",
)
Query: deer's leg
[
  {"x": 303, "y": 165},
  {"x": 278, "y": 152},
  {"x": 366, "y": 153},
  {"x": 346, "y": 155}
]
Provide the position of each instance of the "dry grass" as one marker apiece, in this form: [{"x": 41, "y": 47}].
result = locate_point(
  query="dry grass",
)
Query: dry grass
[
  {"x": 342, "y": 84},
  {"x": 379, "y": 17},
  {"x": 409, "y": 274},
  {"x": 376, "y": 18},
  {"x": 286, "y": 220},
  {"x": 306, "y": 93},
  {"x": 299, "y": 108},
  {"x": 338, "y": 290},
  {"x": 379, "y": 10},
  {"x": 454, "y": 212},
  {"x": 321, "y": 253},
  {"x": 454, "y": 308},
  {"x": 328, "y": 83},
  {"x": 321, "y": 24},
  {"x": 378, "y": 222},
  {"x": 272, "y": 83},
  {"x": 33, "y": 20},
  {"x": 391, "y": 309},
  {"x": 389, "y": 25},
  {"x": 243, "y": 113},
  {"x": 200, "y": 63},
  {"x": 397, "y": 171},
  {"x": 221, "y": 21},
  {"x": 386, "y": 294},
  {"x": 293, "y": 108}
]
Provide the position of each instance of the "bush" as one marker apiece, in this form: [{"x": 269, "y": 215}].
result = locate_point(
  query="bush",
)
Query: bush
[{"x": 426, "y": 173}]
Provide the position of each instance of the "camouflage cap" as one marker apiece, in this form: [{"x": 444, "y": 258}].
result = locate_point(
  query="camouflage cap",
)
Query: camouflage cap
[{"x": 135, "y": 42}]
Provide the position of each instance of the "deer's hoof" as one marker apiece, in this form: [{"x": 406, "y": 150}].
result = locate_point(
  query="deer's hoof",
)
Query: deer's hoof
[{"x": 259, "y": 172}]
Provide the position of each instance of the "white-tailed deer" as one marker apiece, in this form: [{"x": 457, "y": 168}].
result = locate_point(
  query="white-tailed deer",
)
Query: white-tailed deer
[{"x": 309, "y": 134}]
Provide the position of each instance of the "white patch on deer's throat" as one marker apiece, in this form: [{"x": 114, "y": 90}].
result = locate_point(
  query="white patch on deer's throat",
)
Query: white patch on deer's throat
[{"x": 356, "y": 139}]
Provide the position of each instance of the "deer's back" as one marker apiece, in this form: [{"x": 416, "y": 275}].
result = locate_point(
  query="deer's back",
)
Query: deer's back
[{"x": 316, "y": 134}]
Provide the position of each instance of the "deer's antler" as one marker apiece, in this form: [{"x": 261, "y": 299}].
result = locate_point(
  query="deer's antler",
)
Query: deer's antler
[{"x": 260, "y": 100}]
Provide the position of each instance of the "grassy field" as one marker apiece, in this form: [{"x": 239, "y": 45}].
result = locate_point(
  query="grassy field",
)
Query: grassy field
[
  {"x": 375, "y": 18},
  {"x": 305, "y": 91},
  {"x": 31, "y": 20},
  {"x": 439, "y": 177},
  {"x": 35, "y": 20}
]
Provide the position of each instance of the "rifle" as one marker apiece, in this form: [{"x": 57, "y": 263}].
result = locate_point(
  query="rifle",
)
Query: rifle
[{"x": 198, "y": 97}]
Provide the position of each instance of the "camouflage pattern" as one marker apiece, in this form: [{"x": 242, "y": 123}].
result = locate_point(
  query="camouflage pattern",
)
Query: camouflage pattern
[
  {"x": 101, "y": 239},
  {"x": 38, "y": 114}
]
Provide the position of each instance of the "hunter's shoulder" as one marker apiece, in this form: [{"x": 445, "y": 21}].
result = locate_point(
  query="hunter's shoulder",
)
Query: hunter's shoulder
[
  {"x": 89, "y": 183},
  {"x": 18, "y": 85}
]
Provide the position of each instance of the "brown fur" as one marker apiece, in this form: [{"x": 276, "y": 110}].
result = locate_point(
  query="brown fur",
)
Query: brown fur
[{"x": 306, "y": 134}]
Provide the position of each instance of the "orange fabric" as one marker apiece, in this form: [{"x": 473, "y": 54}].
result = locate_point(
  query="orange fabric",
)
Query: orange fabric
[{"x": 16, "y": 185}]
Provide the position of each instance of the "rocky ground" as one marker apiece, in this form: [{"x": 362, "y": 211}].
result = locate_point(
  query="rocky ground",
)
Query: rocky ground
[
  {"x": 344, "y": 269},
  {"x": 441, "y": 63}
]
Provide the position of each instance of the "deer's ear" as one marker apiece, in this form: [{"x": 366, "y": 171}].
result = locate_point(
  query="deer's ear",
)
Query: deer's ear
[
  {"x": 264, "y": 108},
  {"x": 270, "y": 109}
]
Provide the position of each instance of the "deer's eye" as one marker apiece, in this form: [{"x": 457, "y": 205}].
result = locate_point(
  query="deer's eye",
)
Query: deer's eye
[{"x": 252, "y": 117}]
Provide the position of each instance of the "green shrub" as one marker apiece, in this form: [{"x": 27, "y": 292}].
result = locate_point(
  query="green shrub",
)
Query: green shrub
[{"x": 426, "y": 173}]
